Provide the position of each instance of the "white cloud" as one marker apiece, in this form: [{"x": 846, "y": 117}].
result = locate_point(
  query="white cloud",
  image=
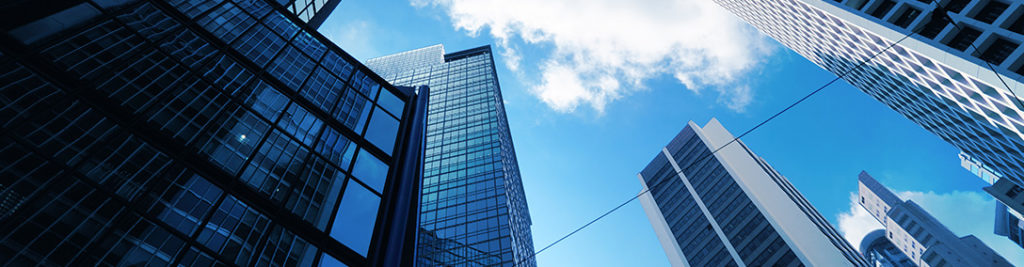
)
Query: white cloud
[
  {"x": 964, "y": 213},
  {"x": 856, "y": 223},
  {"x": 603, "y": 49}
]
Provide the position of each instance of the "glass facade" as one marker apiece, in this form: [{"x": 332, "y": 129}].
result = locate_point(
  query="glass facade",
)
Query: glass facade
[
  {"x": 313, "y": 12},
  {"x": 202, "y": 133},
  {"x": 473, "y": 210}
]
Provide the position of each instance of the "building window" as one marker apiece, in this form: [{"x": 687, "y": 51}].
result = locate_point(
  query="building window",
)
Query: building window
[
  {"x": 1014, "y": 191},
  {"x": 991, "y": 11},
  {"x": 1018, "y": 70},
  {"x": 1018, "y": 25},
  {"x": 857, "y": 4},
  {"x": 998, "y": 51},
  {"x": 883, "y": 8},
  {"x": 956, "y": 6},
  {"x": 933, "y": 27},
  {"x": 964, "y": 38},
  {"x": 906, "y": 17}
]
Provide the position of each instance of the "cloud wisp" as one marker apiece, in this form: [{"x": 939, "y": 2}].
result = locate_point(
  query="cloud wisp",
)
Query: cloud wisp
[{"x": 604, "y": 49}]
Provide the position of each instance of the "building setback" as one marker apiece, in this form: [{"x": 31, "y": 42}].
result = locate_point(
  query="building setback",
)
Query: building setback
[
  {"x": 473, "y": 209},
  {"x": 214, "y": 132},
  {"x": 920, "y": 236},
  {"x": 938, "y": 77},
  {"x": 731, "y": 208}
]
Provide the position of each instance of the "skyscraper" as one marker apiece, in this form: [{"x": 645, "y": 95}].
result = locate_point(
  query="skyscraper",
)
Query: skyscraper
[
  {"x": 731, "y": 208},
  {"x": 937, "y": 78},
  {"x": 473, "y": 209},
  {"x": 1009, "y": 201},
  {"x": 881, "y": 253},
  {"x": 178, "y": 132},
  {"x": 920, "y": 236}
]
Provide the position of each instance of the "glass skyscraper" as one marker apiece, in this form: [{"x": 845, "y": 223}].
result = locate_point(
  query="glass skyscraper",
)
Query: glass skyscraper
[
  {"x": 731, "y": 208},
  {"x": 938, "y": 77},
  {"x": 312, "y": 12},
  {"x": 188, "y": 132},
  {"x": 473, "y": 210}
]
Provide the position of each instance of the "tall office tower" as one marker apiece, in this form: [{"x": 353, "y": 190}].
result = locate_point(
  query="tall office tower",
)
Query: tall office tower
[
  {"x": 213, "y": 132},
  {"x": 937, "y": 78},
  {"x": 474, "y": 210},
  {"x": 920, "y": 236},
  {"x": 881, "y": 253},
  {"x": 731, "y": 208}
]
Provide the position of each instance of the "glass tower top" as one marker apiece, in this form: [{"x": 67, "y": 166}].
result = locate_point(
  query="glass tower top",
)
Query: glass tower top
[{"x": 473, "y": 209}]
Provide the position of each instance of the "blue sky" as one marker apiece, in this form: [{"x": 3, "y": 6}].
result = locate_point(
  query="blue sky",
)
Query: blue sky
[{"x": 590, "y": 102}]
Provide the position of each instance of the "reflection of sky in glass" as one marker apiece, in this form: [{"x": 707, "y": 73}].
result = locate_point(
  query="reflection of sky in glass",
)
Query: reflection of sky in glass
[
  {"x": 216, "y": 112},
  {"x": 391, "y": 103},
  {"x": 382, "y": 131},
  {"x": 370, "y": 170},
  {"x": 353, "y": 225}
]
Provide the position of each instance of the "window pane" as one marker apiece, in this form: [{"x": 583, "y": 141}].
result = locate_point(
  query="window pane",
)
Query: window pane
[
  {"x": 259, "y": 44},
  {"x": 382, "y": 131},
  {"x": 328, "y": 261},
  {"x": 265, "y": 100},
  {"x": 323, "y": 89},
  {"x": 234, "y": 231},
  {"x": 300, "y": 123},
  {"x": 336, "y": 148},
  {"x": 352, "y": 110},
  {"x": 391, "y": 102},
  {"x": 353, "y": 226},
  {"x": 275, "y": 167},
  {"x": 292, "y": 67},
  {"x": 337, "y": 65},
  {"x": 370, "y": 170}
]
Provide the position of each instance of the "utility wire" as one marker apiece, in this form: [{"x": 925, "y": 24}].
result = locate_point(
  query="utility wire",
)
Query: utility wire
[
  {"x": 940, "y": 7},
  {"x": 707, "y": 156}
]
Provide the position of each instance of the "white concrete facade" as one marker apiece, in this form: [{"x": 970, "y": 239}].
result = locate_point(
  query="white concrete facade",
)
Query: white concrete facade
[
  {"x": 949, "y": 92},
  {"x": 802, "y": 228}
]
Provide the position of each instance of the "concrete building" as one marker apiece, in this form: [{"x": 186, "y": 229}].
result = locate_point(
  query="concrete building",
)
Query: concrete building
[
  {"x": 939, "y": 77},
  {"x": 920, "y": 236},
  {"x": 881, "y": 253},
  {"x": 731, "y": 208}
]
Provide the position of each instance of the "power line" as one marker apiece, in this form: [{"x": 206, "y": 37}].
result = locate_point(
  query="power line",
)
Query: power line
[{"x": 707, "y": 156}]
